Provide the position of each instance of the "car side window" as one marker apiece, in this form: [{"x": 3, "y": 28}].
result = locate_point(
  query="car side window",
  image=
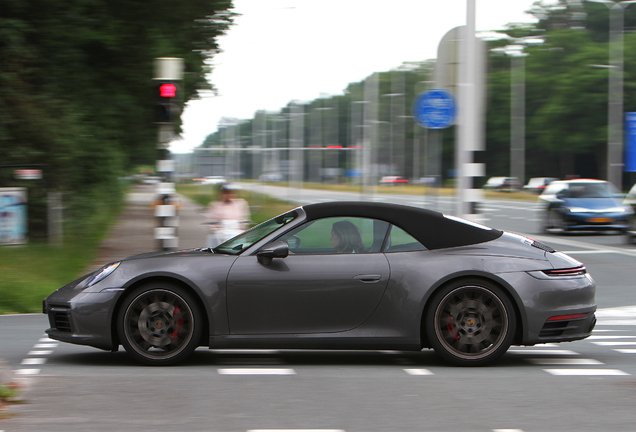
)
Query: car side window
[
  {"x": 337, "y": 235},
  {"x": 401, "y": 241},
  {"x": 554, "y": 188}
]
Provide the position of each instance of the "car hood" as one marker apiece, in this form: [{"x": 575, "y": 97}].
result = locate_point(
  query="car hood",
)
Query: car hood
[
  {"x": 592, "y": 203},
  {"x": 179, "y": 253}
]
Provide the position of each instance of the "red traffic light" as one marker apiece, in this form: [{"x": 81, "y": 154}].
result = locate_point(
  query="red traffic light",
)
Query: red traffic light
[{"x": 168, "y": 90}]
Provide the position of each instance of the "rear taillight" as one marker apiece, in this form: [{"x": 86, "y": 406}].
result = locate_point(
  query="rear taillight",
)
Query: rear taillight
[
  {"x": 567, "y": 317},
  {"x": 576, "y": 271}
]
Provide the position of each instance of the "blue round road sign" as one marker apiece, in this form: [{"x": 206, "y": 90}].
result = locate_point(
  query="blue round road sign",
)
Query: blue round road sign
[{"x": 434, "y": 109}]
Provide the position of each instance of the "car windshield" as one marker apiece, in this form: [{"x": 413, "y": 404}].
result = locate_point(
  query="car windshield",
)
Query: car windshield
[
  {"x": 238, "y": 244},
  {"x": 591, "y": 190}
]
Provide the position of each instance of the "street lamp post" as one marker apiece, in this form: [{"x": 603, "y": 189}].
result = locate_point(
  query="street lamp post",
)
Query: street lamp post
[
  {"x": 615, "y": 97},
  {"x": 357, "y": 137},
  {"x": 320, "y": 141},
  {"x": 517, "y": 99},
  {"x": 391, "y": 157},
  {"x": 517, "y": 110}
]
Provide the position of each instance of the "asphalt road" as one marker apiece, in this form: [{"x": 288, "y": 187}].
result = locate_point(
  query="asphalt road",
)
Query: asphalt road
[{"x": 586, "y": 385}]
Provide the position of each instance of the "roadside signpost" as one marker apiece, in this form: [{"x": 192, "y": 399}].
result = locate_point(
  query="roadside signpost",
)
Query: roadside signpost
[
  {"x": 435, "y": 109},
  {"x": 630, "y": 142}
]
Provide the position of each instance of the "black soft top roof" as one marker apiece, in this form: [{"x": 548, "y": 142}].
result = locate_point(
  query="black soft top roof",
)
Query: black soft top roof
[{"x": 432, "y": 229}]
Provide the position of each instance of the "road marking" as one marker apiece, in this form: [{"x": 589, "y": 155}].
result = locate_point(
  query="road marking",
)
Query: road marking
[
  {"x": 542, "y": 352},
  {"x": 37, "y": 350},
  {"x": 295, "y": 430},
  {"x": 40, "y": 353},
  {"x": 582, "y": 245},
  {"x": 617, "y": 322},
  {"x": 595, "y": 251},
  {"x": 614, "y": 343},
  {"x": 256, "y": 371},
  {"x": 611, "y": 337},
  {"x": 33, "y": 361},
  {"x": 626, "y": 351},
  {"x": 607, "y": 331},
  {"x": 586, "y": 372},
  {"x": 507, "y": 430},
  {"x": 45, "y": 345},
  {"x": 27, "y": 371},
  {"x": 418, "y": 372},
  {"x": 564, "y": 361}
]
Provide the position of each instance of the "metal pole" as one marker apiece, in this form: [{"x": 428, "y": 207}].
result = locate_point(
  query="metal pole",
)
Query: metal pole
[
  {"x": 517, "y": 118},
  {"x": 615, "y": 109},
  {"x": 466, "y": 195},
  {"x": 615, "y": 97}
]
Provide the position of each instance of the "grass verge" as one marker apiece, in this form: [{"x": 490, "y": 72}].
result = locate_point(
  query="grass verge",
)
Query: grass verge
[
  {"x": 8, "y": 396},
  {"x": 411, "y": 189},
  {"x": 32, "y": 271}
]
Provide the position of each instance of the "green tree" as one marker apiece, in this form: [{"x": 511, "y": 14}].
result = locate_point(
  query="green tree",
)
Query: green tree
[{"x": 75, "y": 84}]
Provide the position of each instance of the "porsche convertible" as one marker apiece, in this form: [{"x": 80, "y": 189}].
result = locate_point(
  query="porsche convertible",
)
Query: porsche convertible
[{"x": 340, "y": 275}]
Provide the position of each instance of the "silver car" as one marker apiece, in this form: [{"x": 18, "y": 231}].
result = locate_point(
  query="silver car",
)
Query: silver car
[{"x": 342, "y": 275}]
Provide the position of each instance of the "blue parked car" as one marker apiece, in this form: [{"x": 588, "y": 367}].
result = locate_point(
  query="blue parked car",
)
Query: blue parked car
[{"x": 591, "y": 205}]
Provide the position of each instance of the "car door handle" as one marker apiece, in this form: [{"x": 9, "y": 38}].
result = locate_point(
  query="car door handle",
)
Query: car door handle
[{"x": 368, "y": 278}]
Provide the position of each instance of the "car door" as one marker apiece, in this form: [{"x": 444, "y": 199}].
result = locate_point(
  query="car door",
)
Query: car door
[{"x": 314, "y": 289}]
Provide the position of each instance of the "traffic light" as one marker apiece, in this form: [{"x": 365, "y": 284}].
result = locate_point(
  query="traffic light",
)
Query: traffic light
[{"x": 167, "y": 101}]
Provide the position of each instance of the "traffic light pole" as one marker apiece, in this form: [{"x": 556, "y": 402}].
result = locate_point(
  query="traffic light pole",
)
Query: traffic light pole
[{"x": 167, "y": 82}]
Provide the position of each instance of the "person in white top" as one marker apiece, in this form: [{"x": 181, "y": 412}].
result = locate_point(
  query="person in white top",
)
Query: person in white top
[{"x": 227, "y": 218}]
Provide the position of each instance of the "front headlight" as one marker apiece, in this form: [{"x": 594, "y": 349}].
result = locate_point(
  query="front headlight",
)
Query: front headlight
[
  {"x": 578, "y": 210},
  {"x": 619, "y": 210},
  {"x": 102, "y": 274}
]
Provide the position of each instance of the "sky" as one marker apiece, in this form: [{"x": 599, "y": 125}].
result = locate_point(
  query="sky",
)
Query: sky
[{"x": 282, "y": 50}]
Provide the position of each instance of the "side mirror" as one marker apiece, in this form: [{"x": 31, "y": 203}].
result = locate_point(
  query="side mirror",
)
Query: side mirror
[{"x": 275, "y": 249}]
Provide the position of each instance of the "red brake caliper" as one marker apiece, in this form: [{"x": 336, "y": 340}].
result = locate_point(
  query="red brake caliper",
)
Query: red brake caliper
[
  {"x": 450, "y": 325},
  {"x": 179, "y": 323}
]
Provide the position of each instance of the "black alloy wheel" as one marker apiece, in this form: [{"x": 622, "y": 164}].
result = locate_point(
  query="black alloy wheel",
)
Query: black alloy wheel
[
  {"x": 470, "y": 323},
  {"x": 159, "y": 324}
]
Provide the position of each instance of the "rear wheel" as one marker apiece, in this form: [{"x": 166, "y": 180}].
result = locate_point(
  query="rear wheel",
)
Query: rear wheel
[
  {"x": 159, "y": 324},
  {"x": 470, "y": 323}
]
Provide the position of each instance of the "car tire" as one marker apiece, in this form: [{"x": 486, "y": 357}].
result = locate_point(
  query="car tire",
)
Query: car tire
[
  {"x": 470, "y": 322},
  {"x": 159, "y": 324}
]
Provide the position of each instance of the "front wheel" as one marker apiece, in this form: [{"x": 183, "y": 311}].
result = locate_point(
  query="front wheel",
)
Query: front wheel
[
  {"x": 159, "y": 324},
  {"x": 470, "y": 323}
]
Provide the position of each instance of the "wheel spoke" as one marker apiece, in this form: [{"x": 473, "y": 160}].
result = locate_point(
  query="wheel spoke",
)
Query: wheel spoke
[
  {"x": 158, "y": 324},
  {"x": 470, "y": 322}
]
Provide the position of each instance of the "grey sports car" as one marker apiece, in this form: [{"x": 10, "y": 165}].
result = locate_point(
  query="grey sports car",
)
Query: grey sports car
[{"x": 341, "y": 275}]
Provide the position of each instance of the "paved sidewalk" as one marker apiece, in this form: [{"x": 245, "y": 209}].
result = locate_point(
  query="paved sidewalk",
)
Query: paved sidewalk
[{"x": 133, "y": 233}]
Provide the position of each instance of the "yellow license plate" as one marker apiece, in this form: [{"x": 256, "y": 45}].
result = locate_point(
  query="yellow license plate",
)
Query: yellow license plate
[{"x": 600, "y": 220}]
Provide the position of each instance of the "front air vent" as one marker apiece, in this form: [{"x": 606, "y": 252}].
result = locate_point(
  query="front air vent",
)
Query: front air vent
[{"x": 62, "y": 321}]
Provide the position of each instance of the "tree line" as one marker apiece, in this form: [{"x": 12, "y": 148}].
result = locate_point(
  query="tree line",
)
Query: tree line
[
  {"x": 75, "y": 89},
  {"x": 566, "y": 101}
]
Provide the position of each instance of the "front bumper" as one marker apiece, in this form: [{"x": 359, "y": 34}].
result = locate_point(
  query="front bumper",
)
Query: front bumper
[
  {"x": 595, "y": 221},
  {"x": 85, "y": 319}
]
